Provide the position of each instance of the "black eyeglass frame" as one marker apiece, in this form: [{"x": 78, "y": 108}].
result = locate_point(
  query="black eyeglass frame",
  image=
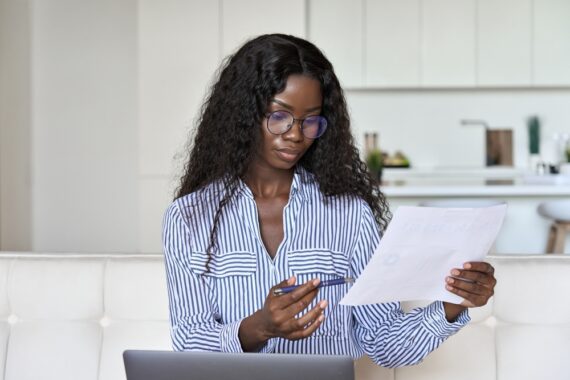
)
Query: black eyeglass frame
[{"x": 302, "y": 121}]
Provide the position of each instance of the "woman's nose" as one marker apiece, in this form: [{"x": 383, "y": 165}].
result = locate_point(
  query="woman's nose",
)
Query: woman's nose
[{"x": 295, "y": 133}]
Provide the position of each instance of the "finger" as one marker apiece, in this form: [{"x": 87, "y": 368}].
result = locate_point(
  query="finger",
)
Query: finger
[
  {"x": 300, "y": 293},
  {"x": 479, "y": 266},
  {"x": 485, "y": 279},
  {"x": 308, "y": 317},
  {"x": 277, "y": 299},
  {"x": 471, "y": 287},
  {"x": 471, "y": 299},
  {"x": 288, "y": 282},
  {"x": 299, "y": 305},
  {"x": 308, "y": 331}
]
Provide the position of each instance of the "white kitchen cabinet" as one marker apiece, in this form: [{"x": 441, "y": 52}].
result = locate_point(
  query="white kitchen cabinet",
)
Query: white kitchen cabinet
[
  {"x": 336, "y": 27},
  {"x": 448, "y": 48},
  {"x": 15, "y": 127},
  {"x": 178, "y": 53},
  {"x": 244, "y": 19},
  {"x": 392, "y": 48},
  {"x": 83, "y": 136},
  {"x": 504, "y": 42},
  {"x": 155, "y": 194},
  {"x": 551, "y": 42}
]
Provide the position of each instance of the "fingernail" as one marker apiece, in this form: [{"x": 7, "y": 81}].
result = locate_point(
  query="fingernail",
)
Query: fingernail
[
  {"x": 455, "y": 272},
  {"x": 321, "y": 318},
  {"x": 448, "y": 287},
  {"x": 291, "y": 280},
  {"x": 323, "y": 304},
  {"x": 316, "y": 281},
  {"x": 467, "y": 266},
  {"x": 450, "y": 280}
]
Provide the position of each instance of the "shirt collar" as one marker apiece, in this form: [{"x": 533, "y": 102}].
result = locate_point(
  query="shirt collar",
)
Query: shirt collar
[{"x": 301, "y": 183}]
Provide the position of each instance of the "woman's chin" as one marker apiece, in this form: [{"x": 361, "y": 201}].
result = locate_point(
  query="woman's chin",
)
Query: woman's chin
[{"x": 285, "y": 166}]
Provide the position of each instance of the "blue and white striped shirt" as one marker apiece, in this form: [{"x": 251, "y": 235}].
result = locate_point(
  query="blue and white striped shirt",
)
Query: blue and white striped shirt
[{"x": 323, "y": 237}]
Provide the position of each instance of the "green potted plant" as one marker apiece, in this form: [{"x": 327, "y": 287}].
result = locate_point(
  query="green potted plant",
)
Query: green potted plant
[{"x": 374, "y": 161}]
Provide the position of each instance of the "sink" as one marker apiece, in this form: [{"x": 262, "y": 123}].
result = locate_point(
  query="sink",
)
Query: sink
[{"x": 548, "y": 179}]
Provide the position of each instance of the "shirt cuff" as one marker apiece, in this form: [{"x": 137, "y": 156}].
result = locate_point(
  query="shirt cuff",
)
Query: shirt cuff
[
  {"x": 229, "y": 339},
  {"x": 269, "y": 347},
  {"x": 436, "y": 323}
]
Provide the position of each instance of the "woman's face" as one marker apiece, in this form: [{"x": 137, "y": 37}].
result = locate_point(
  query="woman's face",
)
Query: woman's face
[{"x": 302, "y": 98}]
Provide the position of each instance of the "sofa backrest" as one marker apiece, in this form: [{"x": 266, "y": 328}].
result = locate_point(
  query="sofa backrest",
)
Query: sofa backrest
[{"x": 71, "y": 316}]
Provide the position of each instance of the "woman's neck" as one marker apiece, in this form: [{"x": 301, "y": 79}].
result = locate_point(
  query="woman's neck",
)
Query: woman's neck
[{"x": 267, "y": 182}]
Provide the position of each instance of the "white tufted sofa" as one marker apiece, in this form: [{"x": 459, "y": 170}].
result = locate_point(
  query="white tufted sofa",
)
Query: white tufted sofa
[{"x": 69, "y": 317}]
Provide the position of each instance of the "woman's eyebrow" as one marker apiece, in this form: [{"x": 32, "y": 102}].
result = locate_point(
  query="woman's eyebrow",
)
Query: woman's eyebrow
[{"x": 283, "y": 104}]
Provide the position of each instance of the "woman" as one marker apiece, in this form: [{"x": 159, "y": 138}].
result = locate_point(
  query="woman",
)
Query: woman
[{"x": 274, "y": 194}]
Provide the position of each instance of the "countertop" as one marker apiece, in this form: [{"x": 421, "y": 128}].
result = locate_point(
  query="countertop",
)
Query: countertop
[{"x": 472, "y": 183}]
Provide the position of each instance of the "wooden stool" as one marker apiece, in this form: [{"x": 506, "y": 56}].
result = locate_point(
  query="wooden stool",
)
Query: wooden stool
[
  {"x": 557, "y": 236},
  {"x": 559, "y": 212}
]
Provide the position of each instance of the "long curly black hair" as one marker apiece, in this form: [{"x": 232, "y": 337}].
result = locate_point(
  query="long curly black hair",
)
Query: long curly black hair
[{"x": 228, "y": 128}]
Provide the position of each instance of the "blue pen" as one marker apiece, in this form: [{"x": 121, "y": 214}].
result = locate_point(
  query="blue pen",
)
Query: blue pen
[{"x": 336, "y": 281}]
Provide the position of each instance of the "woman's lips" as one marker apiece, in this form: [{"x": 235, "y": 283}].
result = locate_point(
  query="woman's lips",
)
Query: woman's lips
[{"x": 288, "y": 155}]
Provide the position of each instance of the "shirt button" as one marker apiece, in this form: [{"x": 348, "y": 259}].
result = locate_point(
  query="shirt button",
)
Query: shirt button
[{"x": 409, "y": 342}]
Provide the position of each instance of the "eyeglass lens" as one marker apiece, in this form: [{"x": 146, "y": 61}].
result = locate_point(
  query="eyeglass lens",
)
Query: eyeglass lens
[{"x": 279, "y": 122}]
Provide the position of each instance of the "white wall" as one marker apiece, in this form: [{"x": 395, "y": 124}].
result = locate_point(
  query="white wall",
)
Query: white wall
[
  {"x": 84, "y": 125},
  {"x": 179, "y": 50},
  {"x": 181, "y": 44},
  {"x": 15, "y": 147},
  {"x": 97, "y": 98},
  {"x": 426, "y": 124},
  {"x": 106, "y": 94}
]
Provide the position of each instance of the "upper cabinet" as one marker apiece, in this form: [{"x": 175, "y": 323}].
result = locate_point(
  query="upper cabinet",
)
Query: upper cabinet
[
  {"x": 444, "y": 43},
  {"x": 504, "y": 47},
  {"x": 392, "y": 47},
  {"x": 244, "y": 19},
  {"x": 551, "y": 42},
  {"x": 448, "y": 50},
  {"x": 171, "y": 81},
  {"x": 336, "y": 27}
]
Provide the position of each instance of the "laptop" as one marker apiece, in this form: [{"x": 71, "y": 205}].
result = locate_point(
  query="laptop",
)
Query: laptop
[{"x": 170, "y": 365}]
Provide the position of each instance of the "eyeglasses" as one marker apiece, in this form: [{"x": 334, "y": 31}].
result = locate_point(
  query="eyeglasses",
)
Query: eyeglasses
[{"x": 279, "y": 122}]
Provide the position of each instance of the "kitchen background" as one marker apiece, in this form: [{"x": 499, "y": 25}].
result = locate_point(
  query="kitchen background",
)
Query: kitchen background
[{"x": 97, "y": 99}]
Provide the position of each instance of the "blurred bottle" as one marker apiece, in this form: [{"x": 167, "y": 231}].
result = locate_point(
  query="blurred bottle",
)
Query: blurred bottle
[
  {"x": 565, "y": 164},
  {"x": 561, "y": 141},
  {"x": 566, "y": 149},
  {"x": 533, "y": 124},
  {"x": 373, "y": 155}
]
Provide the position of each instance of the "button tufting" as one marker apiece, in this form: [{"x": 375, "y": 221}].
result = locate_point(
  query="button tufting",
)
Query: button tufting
[
  {"x": 105, "y": 321},
  {"x": 12, "y": 319},
  {"x": 491, "y": 321}
]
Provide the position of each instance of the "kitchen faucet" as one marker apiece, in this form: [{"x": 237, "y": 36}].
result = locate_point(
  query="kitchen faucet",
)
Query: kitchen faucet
[{"x": 498, "y": 143}]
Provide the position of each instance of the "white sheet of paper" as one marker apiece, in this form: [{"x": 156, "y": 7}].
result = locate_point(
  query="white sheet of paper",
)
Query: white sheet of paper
[{"x": 418, "y": 250}]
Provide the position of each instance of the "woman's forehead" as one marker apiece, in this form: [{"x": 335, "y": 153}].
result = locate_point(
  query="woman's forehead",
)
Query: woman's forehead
[{"x": 301, "y": 93}]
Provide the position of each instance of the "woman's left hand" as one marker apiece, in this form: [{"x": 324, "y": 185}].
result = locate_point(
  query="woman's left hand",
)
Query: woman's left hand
[{"x": 475, "y": 283}]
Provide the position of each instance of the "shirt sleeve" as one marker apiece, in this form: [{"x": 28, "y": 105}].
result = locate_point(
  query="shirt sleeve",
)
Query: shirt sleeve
[
  {"x": 384, "y": 332},
  {"x": 194, "y": 323}
]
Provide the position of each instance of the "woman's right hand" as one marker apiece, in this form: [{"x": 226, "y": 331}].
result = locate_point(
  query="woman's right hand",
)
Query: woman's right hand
[{"x": 278, "y": 318}]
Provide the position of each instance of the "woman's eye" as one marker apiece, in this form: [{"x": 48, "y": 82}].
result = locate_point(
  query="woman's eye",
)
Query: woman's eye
[
  {"x": 279, "y": 116},
  {"x": 312, "y": 121}
]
